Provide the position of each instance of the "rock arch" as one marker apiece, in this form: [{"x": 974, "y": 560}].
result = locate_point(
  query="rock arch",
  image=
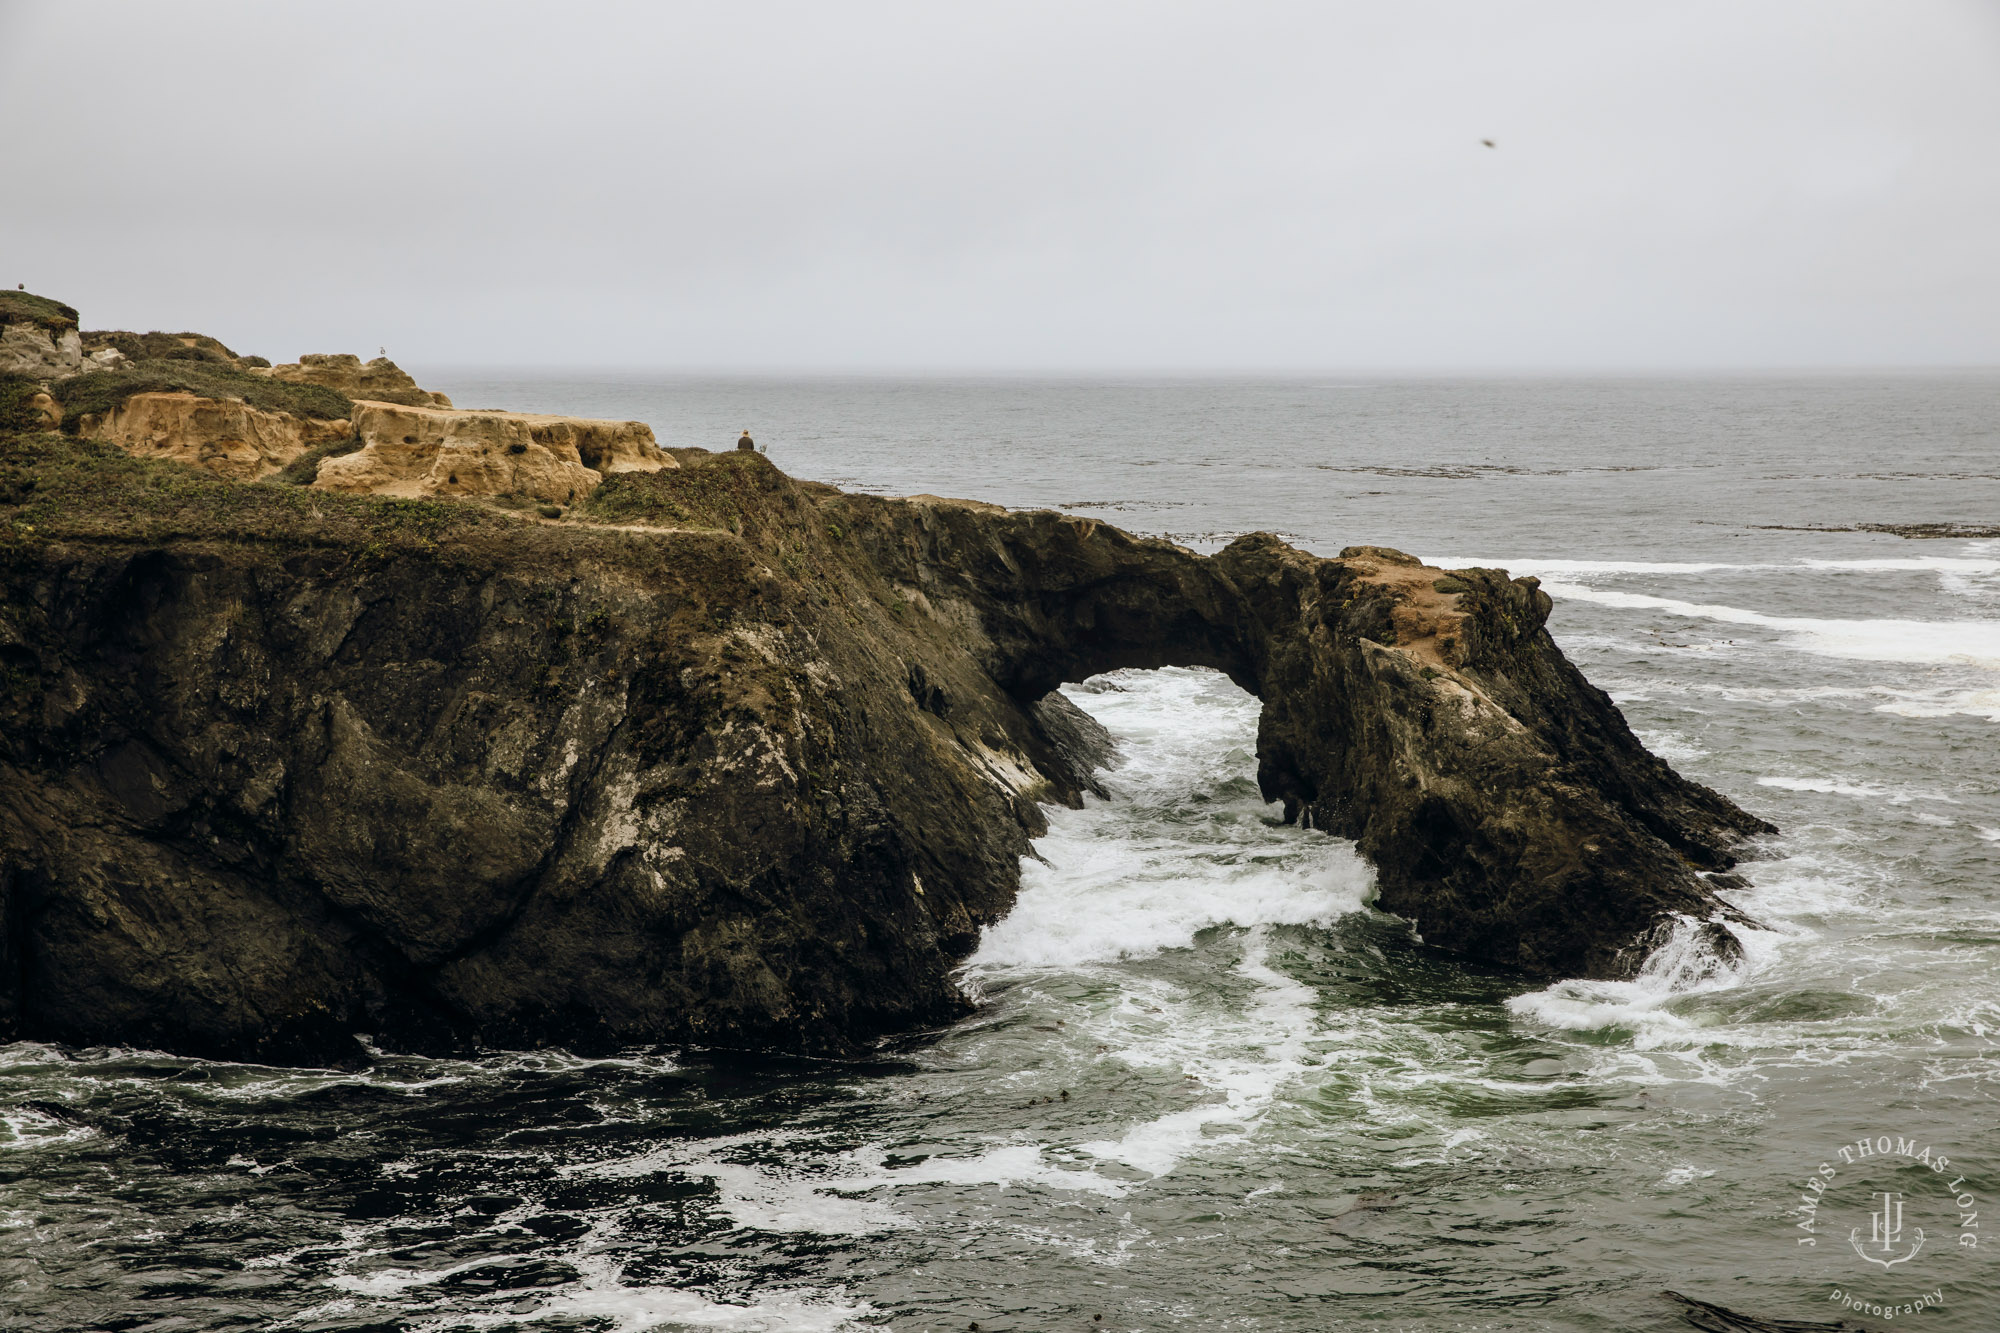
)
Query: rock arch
[
  {"x": 1506, "y": 805},
  {"x": 750, "y": 762}
]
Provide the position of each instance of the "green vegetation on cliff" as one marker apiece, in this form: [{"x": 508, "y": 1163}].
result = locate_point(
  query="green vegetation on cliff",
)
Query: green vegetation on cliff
[
  {"x": 718, "y": 492},
  {"x": 16, "y": 396},
  {"x": 55, "y": 487},
  {"x": 158, "y": 346},
  {"x": 100, "y": 391},
  {"x": 27, "y": 308},
  {"x": 156, "y": 363}
]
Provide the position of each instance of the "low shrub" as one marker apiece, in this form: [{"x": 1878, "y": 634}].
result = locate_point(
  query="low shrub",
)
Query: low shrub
[
  {"x": 28, "y": 308},
  {"x": 54, "y": 486},
  {"x": 304, "y": 470},
  {"x": 15, "y": 393},
  {"x": 100, "y": 391},
  {"x": 157, "y": 346},
  {"x": 715, "y": 492},
  {"x": 185, "y": 353}
]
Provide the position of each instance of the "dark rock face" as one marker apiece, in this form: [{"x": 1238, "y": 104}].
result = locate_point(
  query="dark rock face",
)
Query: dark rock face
[
  {"x": 755, "y": 779},
  {"x": 1504, "y": 802}
]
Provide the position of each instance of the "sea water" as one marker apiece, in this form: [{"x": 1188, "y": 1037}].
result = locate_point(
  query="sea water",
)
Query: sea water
[{"x": 1207, "y": 1085}]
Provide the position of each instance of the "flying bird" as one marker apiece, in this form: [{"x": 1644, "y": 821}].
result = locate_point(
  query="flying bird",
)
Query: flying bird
[{"x": 1488, "y": 142}]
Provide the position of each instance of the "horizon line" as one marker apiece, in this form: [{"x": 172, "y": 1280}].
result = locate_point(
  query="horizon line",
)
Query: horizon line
[{"x": 1374, "y": 374}]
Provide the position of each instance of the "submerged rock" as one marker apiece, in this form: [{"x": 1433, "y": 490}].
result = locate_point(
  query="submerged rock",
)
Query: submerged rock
[{"x": 723, "y": 757}]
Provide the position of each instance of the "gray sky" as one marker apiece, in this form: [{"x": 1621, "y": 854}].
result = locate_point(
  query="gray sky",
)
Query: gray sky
[{"x": 1074, "y": 186}]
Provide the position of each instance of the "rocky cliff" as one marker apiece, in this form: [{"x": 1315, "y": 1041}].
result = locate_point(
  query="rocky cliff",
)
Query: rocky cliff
[
  {"x": 423, "y": 451},
  {"x": 730, "y": 758},
  {"x": 328, "y": 420},
  {"x": 377, "y": 381},
  {"x": 221, "y": 435},
  {"x": 38, "y": 337}
]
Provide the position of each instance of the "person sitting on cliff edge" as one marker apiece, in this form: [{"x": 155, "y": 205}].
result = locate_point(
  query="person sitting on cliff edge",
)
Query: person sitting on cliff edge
[{"x": 746, "y": 442}]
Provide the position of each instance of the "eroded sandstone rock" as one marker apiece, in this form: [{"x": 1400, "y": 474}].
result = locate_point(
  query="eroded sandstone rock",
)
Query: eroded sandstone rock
[
  {"x": 31, "y": 349},
  {"x": 420, "y": 451},
  {"x": 380, "y": 380},
  {"x": 228, "y": 438}
]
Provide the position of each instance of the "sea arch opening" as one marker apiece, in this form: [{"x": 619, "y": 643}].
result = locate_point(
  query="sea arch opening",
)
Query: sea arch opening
[{"x": 1181, "y": 841}]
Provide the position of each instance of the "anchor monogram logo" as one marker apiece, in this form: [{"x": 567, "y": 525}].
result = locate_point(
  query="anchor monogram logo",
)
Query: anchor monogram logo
[{"x": 1885, "y": 1231}]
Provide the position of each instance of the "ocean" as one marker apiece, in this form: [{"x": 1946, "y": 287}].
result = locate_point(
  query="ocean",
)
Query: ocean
[{"x": 1207, "y": 1085}]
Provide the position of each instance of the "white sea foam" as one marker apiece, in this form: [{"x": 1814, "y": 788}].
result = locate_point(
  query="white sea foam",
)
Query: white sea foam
[
  {"x": 1184, "y": 845},
  {"x": 1868, "y": 791},
  {"x": 1099, "y": 901},
  {"x": 811, "y": 1193},
  {"x": 23, "y": 1127},
  {"x": 1944, "y": 566},
  {"x": 1964, "y": 642},
  {"x": 632, "y": 1309},
  {"x": 602, "y": 1294},
  {"x": 1672, "y": 746},
  {"x": 1943, "y": 703},
  {"x": 1685, "y": 964},
  {"x": 1246, "y": 1058},
  {"x": 1542, "y": 568},
  {"x": 1154, "y": 866}
]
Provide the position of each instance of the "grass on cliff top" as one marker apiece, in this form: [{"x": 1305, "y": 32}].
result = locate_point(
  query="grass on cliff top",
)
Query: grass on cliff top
[
  {"x": 55, "y": 486},
  {"x": 714, "y": 492},
  {"x": 100, "y": 391},
  {"x": 157, "y": 346},
  {"x": 28, "y": 308}
]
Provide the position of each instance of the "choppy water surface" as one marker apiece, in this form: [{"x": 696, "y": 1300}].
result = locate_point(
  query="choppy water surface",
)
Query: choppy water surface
[{"x": 1207, "y": 1086}]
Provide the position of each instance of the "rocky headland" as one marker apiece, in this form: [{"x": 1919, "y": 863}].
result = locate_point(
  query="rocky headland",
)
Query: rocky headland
[{"x": 424, "y": 734}]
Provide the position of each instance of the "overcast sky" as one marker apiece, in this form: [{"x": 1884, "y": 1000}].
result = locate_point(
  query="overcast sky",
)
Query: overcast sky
[{"x": 1020, "y": 186}]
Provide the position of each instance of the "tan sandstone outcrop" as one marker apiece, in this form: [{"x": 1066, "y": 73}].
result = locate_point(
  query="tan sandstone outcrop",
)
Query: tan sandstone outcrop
[
  {"x": 379, "y": 381},
  {"x": 227, "y": 437},
  {"x": 422, "y": 451}
]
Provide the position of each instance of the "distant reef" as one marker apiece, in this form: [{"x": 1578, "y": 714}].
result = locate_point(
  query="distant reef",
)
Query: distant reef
[{"x": 400, "y": 727}]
